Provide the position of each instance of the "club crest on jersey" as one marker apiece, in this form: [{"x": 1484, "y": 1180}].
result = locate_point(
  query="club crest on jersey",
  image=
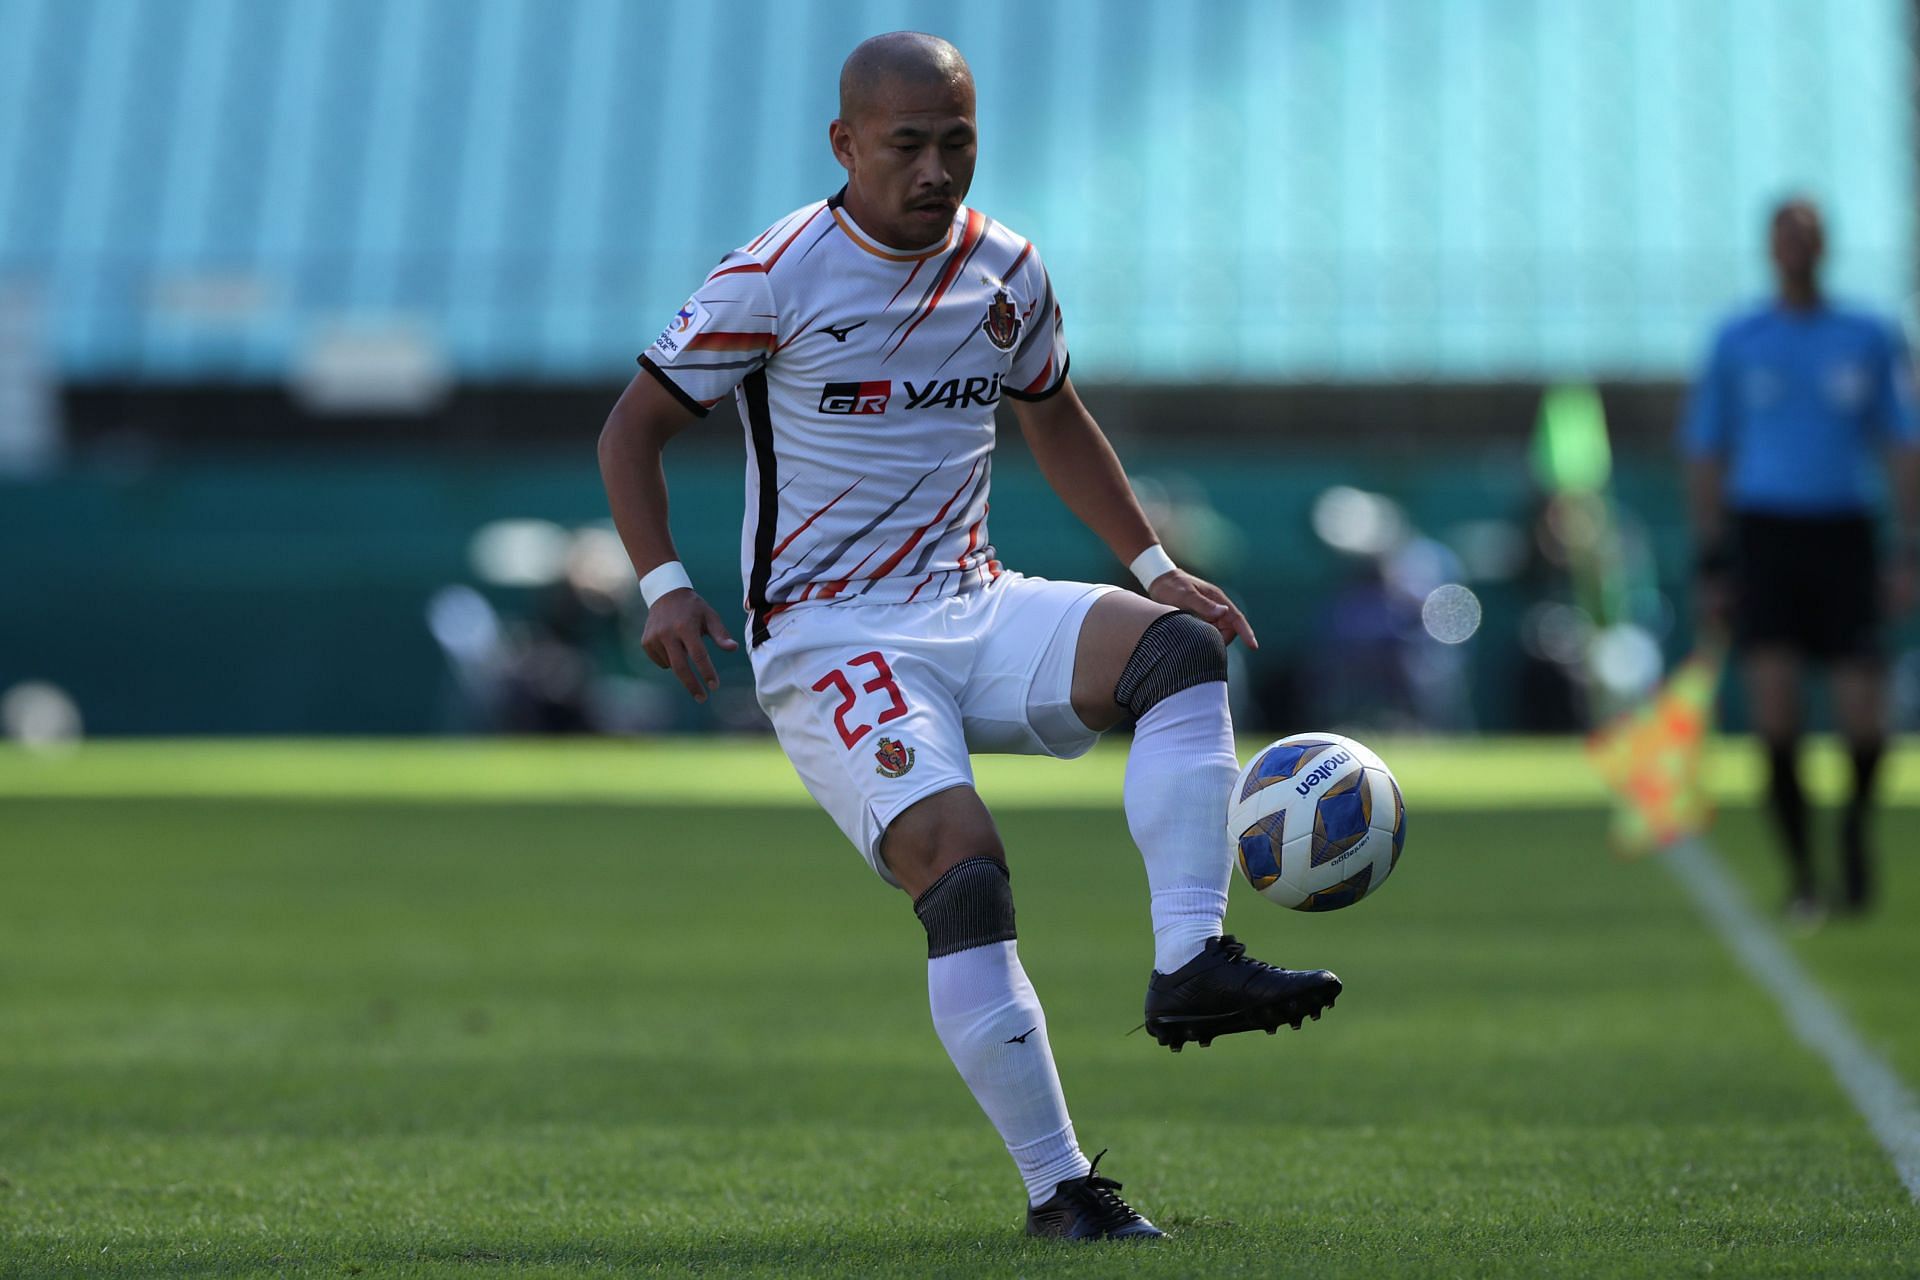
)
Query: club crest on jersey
[
  {"x": 1002, "y": 324},
  {"x": 855, "y": 397},
  {"x": 895, "y": 758}
]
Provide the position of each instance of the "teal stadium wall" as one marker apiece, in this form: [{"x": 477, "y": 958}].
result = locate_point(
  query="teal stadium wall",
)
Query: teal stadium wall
[
  {"x": 273, "y": 597},
  {"x": 1249, "y": 191}
]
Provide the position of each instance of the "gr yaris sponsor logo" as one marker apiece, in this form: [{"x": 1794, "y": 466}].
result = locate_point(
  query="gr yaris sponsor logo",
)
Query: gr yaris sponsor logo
[
  {"x": 855, "y": 397},
  {"x": 953, "y": 393}
]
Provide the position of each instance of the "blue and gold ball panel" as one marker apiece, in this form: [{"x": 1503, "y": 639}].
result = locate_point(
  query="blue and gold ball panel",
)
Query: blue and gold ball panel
[
  {"x": 1344, "y": 894},
  {"x": 1260, "y": 850},
  {"x": 1282, "y": 762},
  {"x": 1343, "y": 817},
  {"x": 1399, "y": 824}
]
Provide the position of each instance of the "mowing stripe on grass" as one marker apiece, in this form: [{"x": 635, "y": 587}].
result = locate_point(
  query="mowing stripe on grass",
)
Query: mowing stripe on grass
[
  {"x": 1877, "y": 1093},
  {"x": 1434, "y": 773}
]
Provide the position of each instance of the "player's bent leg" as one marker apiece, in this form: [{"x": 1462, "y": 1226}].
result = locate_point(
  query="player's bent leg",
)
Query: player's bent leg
[
  {"x": 1168, "y": 671},
  {"x": 1173, "y": 682},
  {"x": 944, "y": 850},
  {"x": 936, "y": 833},
  {"x": 1108, "y": 638},
  {"x": 1860, "y": 708}
]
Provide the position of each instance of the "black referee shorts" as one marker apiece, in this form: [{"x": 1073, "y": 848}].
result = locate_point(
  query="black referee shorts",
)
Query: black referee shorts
[{"x": 1809, "y": 583}]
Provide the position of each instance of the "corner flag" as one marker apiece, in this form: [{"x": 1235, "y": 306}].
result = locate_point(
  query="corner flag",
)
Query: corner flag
[{"x": 1651, "y": 757}]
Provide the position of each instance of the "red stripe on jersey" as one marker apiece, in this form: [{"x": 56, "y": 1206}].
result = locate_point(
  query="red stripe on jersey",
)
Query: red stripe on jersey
[
  {"x": 788, "y": 540},
  {"x": 766, "y": 235},
  {"x": 745, "y": 266},
  {"x": 973, "y": 540},
  {"x": 788, "y": 242},
  {"x": 1039, "y": 383},
  {"x": 1024, "y": 251},
  {"x": 720, "y": 340},
  {"x": 904, "y": 283},
  {"x": 976, "y": 224},
  {"x": 886, "y": 566},
  {"x": 973, "y": 535},
  {"x": 785, "y": 605},
  {"x": 923, "y": 582},
  {"x": 835, "y": 587}
]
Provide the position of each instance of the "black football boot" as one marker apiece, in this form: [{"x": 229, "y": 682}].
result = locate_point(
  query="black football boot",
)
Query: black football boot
[
  {"x": 1223, "y": 990},
  {"x": 1089, "y": 1208}
]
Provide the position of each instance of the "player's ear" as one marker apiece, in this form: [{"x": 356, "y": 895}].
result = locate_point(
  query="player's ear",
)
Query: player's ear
[{"x": 840, "y": 138}]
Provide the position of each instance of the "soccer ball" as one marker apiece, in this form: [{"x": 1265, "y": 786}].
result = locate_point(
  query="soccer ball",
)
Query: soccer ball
[{"x": 1316, "y": 821}]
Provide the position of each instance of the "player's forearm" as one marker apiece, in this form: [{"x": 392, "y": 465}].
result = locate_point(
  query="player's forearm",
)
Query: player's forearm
[
  {"x": 636, "y": 485},
  {"x": 1080, "y": 465}
]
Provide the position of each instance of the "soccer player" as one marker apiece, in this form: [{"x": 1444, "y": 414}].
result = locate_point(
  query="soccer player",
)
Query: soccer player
[
  {"x": 867, "y": 339},
  {"x": 1798, "y": 397}
]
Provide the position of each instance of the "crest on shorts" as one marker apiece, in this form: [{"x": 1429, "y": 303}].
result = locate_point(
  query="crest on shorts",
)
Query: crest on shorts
[
  {"x": 1003, "y": 321},
  {"x": 895, "y": 758}
]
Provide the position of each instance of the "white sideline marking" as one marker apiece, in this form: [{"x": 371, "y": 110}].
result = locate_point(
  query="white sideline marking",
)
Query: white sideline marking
[{"x": 1877, "y": 1093}]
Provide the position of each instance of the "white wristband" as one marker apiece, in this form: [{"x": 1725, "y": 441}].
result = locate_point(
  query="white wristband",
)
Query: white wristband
[
  {"x": 1150, "y": 564},
  {"x": 661, "y": 579}
]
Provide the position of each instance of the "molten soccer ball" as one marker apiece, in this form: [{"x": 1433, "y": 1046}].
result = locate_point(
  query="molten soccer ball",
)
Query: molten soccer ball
[{"x": 1316, "y": 821}]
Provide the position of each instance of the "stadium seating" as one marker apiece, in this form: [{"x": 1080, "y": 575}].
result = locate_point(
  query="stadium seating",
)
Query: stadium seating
[{"x": 195, "y": 188}]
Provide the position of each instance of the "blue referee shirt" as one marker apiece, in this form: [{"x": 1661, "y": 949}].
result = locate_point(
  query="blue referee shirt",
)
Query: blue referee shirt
[{"x": 1800, "y": 404}]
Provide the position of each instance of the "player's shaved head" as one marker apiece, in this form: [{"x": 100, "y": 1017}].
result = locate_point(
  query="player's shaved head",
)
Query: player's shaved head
[
  {"x": 898, "y": 59},
  {"x": 905, "y": 136}
]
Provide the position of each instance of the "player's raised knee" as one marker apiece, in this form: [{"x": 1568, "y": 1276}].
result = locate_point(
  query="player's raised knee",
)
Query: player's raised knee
[
  {"x": 970, "y": 905},
  {"x": 1177, "y": 651}
]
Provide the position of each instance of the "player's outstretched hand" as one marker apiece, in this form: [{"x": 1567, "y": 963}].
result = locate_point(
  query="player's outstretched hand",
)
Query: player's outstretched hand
[
  {"x": 1204, "y": 600},
  {"x": 675, "y": 637}
]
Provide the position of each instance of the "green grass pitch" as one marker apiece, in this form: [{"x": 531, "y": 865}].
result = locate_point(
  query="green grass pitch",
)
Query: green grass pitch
[{"x": 422, "y": 1010}]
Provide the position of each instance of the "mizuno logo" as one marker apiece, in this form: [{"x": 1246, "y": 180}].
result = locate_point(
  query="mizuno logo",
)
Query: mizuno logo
[
  {"x": 839, "y": 334},
  {"x": 1022, "y": 1037}
]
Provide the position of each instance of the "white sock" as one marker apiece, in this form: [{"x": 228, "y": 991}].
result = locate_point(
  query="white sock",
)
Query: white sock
[
  {"x": 1179, "y": 772},
  {"x": 991, "y": 1023}
]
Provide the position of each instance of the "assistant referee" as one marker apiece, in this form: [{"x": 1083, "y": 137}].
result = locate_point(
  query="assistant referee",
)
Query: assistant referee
[{"x": 1799, "y": 403}]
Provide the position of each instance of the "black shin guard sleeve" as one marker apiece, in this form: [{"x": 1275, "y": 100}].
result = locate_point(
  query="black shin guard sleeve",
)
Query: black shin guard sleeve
[
  {"x": 970, "y": 906},
  {"x": 1177, "y": 651}
]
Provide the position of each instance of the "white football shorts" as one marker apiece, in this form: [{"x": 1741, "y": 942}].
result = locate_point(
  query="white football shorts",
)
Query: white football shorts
[{"x": 881, "y": 705}]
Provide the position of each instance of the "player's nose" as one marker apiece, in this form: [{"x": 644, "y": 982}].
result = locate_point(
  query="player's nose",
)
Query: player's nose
[{"x": 931, "y": 173}]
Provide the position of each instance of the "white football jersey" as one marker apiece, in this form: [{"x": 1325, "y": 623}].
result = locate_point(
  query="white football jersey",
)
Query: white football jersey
[{"x": 867, "y": 378}]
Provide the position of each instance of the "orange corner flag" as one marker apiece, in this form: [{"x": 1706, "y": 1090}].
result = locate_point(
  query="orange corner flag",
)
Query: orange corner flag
[{"x": 1651, "y": 758}]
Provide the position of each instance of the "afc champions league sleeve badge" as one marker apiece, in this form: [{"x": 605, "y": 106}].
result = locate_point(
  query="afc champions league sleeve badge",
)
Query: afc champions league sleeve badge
[
  {"x": 686, "y": 322},
  {"x": 1002, "y": 324}
]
